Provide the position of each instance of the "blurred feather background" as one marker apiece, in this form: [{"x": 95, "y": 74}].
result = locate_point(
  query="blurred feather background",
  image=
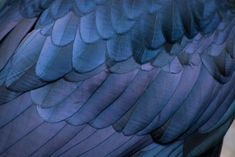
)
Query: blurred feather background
[{"x": 229, "y": 143}]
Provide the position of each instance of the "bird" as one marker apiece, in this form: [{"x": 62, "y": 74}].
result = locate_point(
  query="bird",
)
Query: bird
[{"x": 116, "y": 78}]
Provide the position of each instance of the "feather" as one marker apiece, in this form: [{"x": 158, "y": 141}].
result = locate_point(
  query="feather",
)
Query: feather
[
  {"x": 215, "y": 49},
  {"x": 57, "y": 141},
  {"x": 87, "y": 57},
  {"x": 153, "y": 6},
  {"x": 9, "y": 19},
  {"x": 203, "y": 11},
  {"x": 100, "y": 1},
  {"x": 103, "y": 22},
  {"x": 88, "y": 29},
  {"x": 45, "y": 18},
  {"x": 13, "y": 132},
  {"x": 162, "y": 59},
  {"x": 125, "y": 101},
  {"x": 104, "y": 96},
  {"x": 22, "y": 63},
  {"x": 119, "y": 48},
  {"x": 95, "y": 139},
  {"x": 44, "y": 132},
  {"x": 219, "y": 66},
  {"x": 54, "y": 62},
  {"x": 30, "y": 9},
  {"x": 65, "y": 29},
  {"x": 149, "y": 34},
  {"x": 160, "y": 150},
  {"x": 223, "y": 113},
  {"x": 191, "y": 108},
  {"x": 8, "y": 47},
  {"x": 77, "y": 77},
  {"x": 188, "y": 20},
  {"x": 212, "y": 107},
  {"x": 85, "y": 6},
  {"x": 8, "y": 112},
  {"x": 201, "y": 142},
  {"x": 120, "y": 22},
  {"x": 47, "y": 30},
  {"x": 115, "y": 78},
  {"x": 72, "y": 103},
  {"x": 221, "y": 36},
  {"x": 81, "y": 136},
  {"x": 158, "y": 93},
  {"x": 174, "y": 67},
  {"x": 228, "y": 116},
  {"x": 7, "y": 95},
  {"x": 133, "y": 8},
  {"x": 172, "y": 27},
  {"x": 60, "y": 8},
  {"x": 45, "y": 3},
  {"x": 122, "y": 67},
  {"x": 212, "y": 25},
  {"x": 47, "y": 96}
]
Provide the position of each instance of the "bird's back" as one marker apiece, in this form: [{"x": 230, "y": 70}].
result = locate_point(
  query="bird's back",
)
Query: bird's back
[{"x": 116, "y": 77}]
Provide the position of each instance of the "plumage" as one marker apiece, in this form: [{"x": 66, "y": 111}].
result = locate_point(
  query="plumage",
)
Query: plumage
[
  {"x": 45, "y": 96},
  {"x": 7, "y": 110},
  {"x": 120, "y": 22},
  {"x": 189, "y": 77},
  {"x": 18, "y": 33},
  {"x": 89, "y": 111},
  {"x": 22, "y": 64},
  {"x": 120, "y": 47},
  {"x": 116, "y": 78},
  {"x": 85, "y": 6},
  {"x": 9, "y": 19},
  {"x": 158, "y": 93},
  {"x": 87, "y": 57},
  {"x": 54, "y": 61},
  {"x": 103, "y": 22},
  {"x": 45, "y": 18},
  {"x": 88, "y": 29},
  {"x": 195, "y": 99},
  {"x": 65, "y": 29},
  {"x": 134, "y": 8},
  {"x": 59, "y": 8}
]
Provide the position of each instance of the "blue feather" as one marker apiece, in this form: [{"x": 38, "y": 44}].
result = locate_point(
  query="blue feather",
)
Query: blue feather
[
  {"x": 101, "y": 100},
  {"x": 191, "y": 108},
  {"x": 103, "y": 22},
  {"x": 59, "y": 8},
  {"x": 88, "y": 29},
  {"x": 87, "y": 57},
  {"x": 152, "y": 101},
  {"x": 134, "y": 8},
  {"x": 47, "y": 96},
  {"x": 85, "y": 6},
  {"x": 25, "y": 59},
  {"x": 119, "y": 48},
  {"x": 65, "y": 29},
  {"x": 128, "y": 98},
  {"x": 54, "y": 62},
  {"x": 120, "y": 22}
]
